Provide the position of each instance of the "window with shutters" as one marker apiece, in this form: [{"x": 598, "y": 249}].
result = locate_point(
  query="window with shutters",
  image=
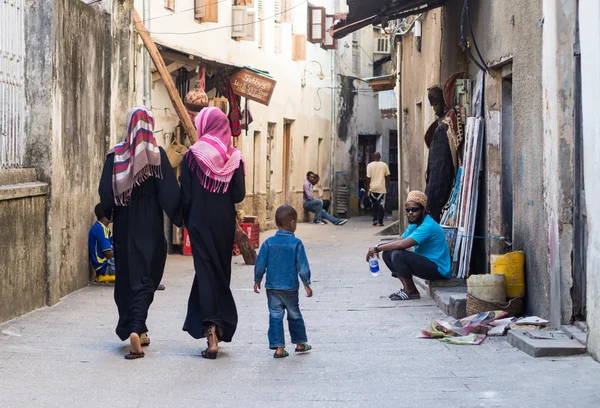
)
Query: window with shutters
[
  {"x": 316, "y": 24},
  {"x": 329, "y": 43},
  {"x": 250, "y": 26},
  {"x": 299, "y": 47},
  {"x": 170, "y": 5},
  {"x": 260, "y": 27},
  {"x": 247, "y": 3},
  {"x": 283, "y": 11},
  {"x": 239, "y": 15},
  {"x": 277, "y": 38},
  {"x": 206, "y": 11}
]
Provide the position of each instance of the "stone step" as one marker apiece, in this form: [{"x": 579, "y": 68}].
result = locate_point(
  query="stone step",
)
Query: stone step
[
  {"x": 545, "y": 343},
  {"x": 451, "y": 301}
]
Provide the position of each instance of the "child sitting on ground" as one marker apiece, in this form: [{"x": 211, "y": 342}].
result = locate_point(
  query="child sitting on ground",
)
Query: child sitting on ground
[{"x": 283, "y": 258}]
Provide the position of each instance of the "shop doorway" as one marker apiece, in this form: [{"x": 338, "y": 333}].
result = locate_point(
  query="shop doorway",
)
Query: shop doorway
[
  {"x": 367, "y": 145},
  {"x": 269, "y": 169},
  {"x": 579, "y": 205},
  {"x": 287, "y": 160}
]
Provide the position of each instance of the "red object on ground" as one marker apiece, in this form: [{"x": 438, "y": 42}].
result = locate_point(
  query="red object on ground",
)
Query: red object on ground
[
  {"x": 253, "y": 232},
  {"x": 187, "y": 244}
]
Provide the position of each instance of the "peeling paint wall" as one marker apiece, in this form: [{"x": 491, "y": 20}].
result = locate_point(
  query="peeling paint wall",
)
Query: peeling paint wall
[
  {"x": 80, "y": 42},
  {"x": 558, "y": 88},
  {"x": 589, "y": 15},
  {"x": 510, "y": 30},
  {"x": 420, "y": 71}
]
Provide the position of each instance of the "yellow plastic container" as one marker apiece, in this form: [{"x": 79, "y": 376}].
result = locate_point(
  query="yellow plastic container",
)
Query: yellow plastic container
[{"x": 512, "y": 266}]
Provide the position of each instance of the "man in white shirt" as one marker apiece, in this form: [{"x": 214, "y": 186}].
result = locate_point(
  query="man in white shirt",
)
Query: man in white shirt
[{"x": 378, "y": 179}]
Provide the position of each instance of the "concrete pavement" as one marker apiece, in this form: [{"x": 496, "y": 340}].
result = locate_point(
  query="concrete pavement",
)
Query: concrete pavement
[{"x": 365, "y": 349}]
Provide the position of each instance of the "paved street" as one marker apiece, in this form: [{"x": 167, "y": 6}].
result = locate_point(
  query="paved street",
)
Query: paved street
[{"x": 365, "y": 349}]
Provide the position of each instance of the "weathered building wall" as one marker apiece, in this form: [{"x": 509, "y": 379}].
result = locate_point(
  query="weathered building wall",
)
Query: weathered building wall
[
  {"x": 589, "y": 15},
  {"x": 510, "y": 32},
  {"x": 80, "y": 41},
  {"x": 357, "y": 110},
  {"x": 420, "y": 70},
  {"x": 23, "y": 237},
  {"x": 560, "y": 20}
]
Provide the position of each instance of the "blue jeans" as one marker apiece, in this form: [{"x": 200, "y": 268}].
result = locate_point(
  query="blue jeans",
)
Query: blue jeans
[
  {"x": 279, "y": 301},
  {"x": 316, "y": 206}
]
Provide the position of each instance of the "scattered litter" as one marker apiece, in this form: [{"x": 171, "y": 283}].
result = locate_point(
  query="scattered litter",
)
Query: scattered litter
[
  {"x": 474, "y": 339},
  {"x": 498, "y": 330},
  {"x": 532, "y": 320},
  {"x": 470, "y": 330},
  {"x": 11, "y": 332},
  {"x": 502, "y": 322}
]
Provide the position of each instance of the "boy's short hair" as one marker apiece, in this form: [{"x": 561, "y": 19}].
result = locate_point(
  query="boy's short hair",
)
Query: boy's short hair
[
  {"x": 310, "y": 173},
  {"x": 99, "y": 212},
  {"x": 284, "y": 215}
]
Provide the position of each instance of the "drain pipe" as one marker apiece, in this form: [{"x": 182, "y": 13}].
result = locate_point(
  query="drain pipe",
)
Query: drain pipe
[
  {"x": 333, "y": 135},
  {"x": 146, "y": 58}
]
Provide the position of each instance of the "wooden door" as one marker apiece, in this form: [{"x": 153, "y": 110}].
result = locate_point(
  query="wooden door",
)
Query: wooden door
[{"x": 286, "y": 162}]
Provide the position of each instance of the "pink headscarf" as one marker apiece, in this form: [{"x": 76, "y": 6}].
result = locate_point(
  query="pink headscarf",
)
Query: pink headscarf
[{"x": 213, "y": 154}]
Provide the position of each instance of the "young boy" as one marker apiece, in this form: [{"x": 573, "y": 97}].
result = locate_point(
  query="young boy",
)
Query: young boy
[{"x": 283, "y": 258}]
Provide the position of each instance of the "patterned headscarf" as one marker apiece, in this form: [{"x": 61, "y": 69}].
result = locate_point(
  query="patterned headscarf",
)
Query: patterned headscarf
[
  {"x": 137, "y": 157},
  {"x": 417, "y": 197},
  {"x": 213, "y": 156}
]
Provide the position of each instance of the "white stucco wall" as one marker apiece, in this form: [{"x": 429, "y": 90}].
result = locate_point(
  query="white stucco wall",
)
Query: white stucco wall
[
  {"x": 310, "y": 113},
  {"x": 589, "y": 31}
]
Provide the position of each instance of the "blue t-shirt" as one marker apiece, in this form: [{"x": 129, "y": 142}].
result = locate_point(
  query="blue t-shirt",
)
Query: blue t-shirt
[
  {"x": 431, "y": 243},
  {"x": 99, "y": 240}
]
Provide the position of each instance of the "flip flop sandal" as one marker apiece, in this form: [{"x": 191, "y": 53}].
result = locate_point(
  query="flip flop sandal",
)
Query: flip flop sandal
[
  {"x": 285, "y": 354},
  {"x": 146, "y": 343},
  {"x": 402, "y": 295},
  {"x": 133, "y": 356},
  {"x": 305, "y": 348}
]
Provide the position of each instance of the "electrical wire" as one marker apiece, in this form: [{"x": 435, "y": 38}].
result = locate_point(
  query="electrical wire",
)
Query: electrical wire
[
  {"x": 183, "y": 11},
  {"x": 480, "y": 64},
  {"x": 228, "y": 26}
]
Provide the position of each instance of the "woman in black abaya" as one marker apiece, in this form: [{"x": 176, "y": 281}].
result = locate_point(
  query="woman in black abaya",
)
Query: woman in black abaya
[
  {"x": 137, "y": 185},
  {"x": 212, "y": 181}
]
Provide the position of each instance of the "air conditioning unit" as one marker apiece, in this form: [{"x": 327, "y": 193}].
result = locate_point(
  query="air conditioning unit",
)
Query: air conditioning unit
[
  {"x": 239, "y": 17},
  {"x": 382, "y": 45}
]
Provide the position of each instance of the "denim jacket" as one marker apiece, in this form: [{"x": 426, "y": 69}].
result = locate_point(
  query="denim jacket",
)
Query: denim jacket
[{"x": 283, "y": 258}]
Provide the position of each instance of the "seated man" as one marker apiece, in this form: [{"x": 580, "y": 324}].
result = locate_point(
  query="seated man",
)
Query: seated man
[
  {"x": 316, "y": 206},
  {"x": 100, "y": 247},
  {"x": 430, "y": 259},
  {"x": 319, "y": 193}
]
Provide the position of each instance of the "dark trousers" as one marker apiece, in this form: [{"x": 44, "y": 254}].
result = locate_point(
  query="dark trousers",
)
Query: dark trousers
[
  {"x": 377, "y": 203},
  {"x": 406, "y": 264},
  {"x": 280, "y": 301},
  {"x": 326, "y": 205}
]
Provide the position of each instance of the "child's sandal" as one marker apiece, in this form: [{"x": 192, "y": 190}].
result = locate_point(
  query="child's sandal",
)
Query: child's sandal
[
  {"x": 285, "y": 354},
  {"x": 304, "y": 349}
]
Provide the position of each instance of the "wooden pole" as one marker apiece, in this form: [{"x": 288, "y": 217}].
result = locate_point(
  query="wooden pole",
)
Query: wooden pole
[
  {"x": 241, "y": 238},
  {"x": 186, "y": 121}
]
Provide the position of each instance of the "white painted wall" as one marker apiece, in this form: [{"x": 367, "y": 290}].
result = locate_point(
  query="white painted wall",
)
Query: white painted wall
[
  {"x": 589, "y": 31},
  {"x": 310, "y": 112}
]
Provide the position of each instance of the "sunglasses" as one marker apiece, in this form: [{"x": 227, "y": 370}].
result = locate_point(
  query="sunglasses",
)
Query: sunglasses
[{"x": 413, "y": 210}]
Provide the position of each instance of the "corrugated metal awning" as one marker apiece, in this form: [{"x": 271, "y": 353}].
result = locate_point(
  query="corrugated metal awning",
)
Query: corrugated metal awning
[
  {"x": 388, "y": 104},
  {"x": 366, "y": 12}
]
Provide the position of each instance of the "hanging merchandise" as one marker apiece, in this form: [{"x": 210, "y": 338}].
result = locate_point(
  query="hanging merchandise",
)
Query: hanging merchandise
[
  {"x": 246, "y": 117},
  {"x": 197, "y": 99},
  {"x": 224, "y": 88}
]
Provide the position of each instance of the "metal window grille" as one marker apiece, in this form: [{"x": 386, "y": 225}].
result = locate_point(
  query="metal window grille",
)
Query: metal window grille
[{"x": 12, "y": 92}]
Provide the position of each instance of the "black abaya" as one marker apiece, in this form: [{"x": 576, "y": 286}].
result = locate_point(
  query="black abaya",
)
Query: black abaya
[
  {"x": 140, "y": 247},
  {"x": 210, "y": 219}
]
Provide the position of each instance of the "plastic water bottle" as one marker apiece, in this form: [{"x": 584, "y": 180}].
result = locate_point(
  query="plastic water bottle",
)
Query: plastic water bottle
[{"x": 374, "y": 266}]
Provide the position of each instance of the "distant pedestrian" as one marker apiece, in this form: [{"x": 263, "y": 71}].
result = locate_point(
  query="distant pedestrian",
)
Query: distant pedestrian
[
  {"x": 137, "y": 185},
  {"x": 100, "y": 246},
  {"x": 315, "y": 205},
  {"x": 212, "y": 182},
  {"x": 283, "y": 258},
  {"x": 378, "y": 180}
]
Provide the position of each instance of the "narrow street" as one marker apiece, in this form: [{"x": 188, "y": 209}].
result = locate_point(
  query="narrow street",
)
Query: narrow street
[{"x": 366, "y": 350}]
